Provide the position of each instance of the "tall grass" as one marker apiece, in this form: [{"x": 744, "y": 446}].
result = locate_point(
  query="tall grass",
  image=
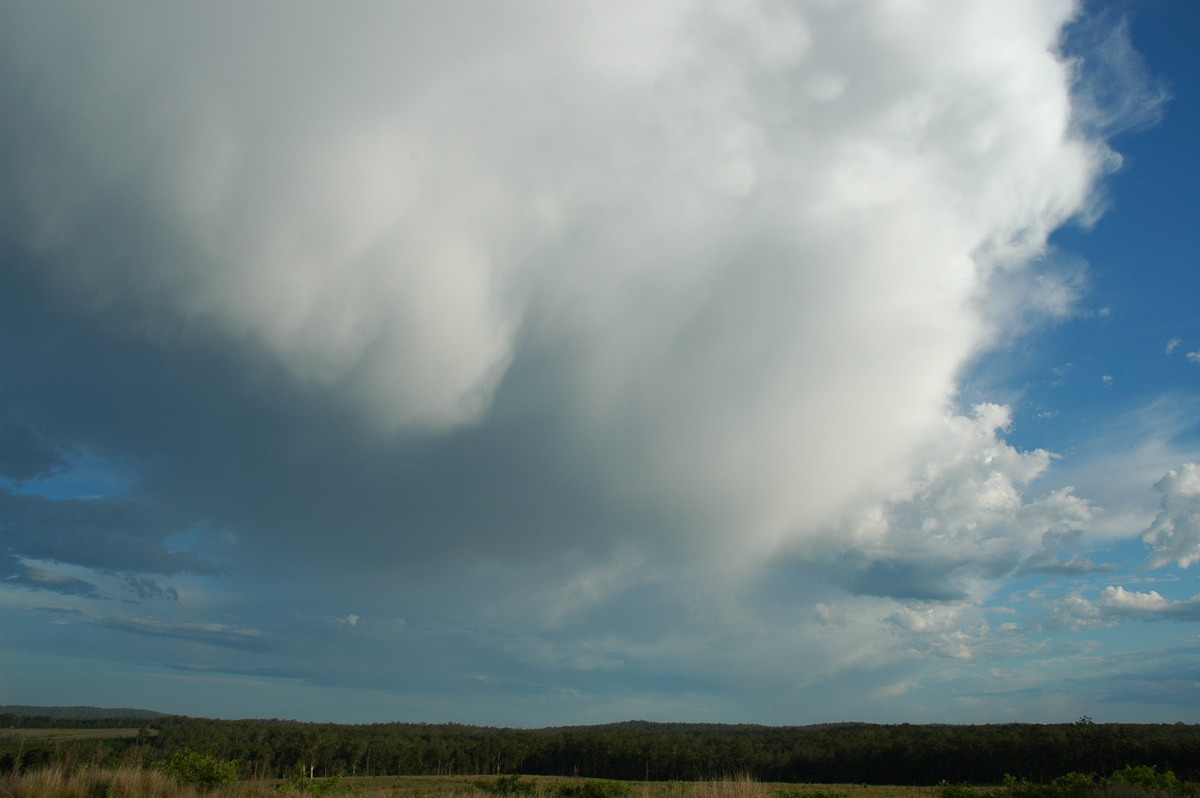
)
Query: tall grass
[
  {"x": 139, "y": 782},
  {"x": 59, "y": 782}
]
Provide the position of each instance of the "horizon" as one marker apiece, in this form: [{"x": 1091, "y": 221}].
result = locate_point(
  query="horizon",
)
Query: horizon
[
  {"x": 760, "y": 363},
  {"x": 154, "y": 714}
]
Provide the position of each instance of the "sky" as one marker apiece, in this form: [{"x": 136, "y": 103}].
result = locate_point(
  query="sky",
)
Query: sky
[{"x": 535, "y": 364}]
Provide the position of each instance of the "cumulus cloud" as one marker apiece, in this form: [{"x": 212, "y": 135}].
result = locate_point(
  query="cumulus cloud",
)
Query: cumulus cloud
[
  {"x": 1049, "y": 561},
  {"x": 1116, "y": 604},
  {"x": 695, "y": 258},
  {"x": 961, "y": 516},
  {"x": 1175, "y": 534},
  {"x": 578, "y": 314}
]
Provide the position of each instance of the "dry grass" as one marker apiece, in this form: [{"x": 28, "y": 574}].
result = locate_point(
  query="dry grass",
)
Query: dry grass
[
  {"x": 112, "y": 783},
  {"x": 147, "y": 783}
]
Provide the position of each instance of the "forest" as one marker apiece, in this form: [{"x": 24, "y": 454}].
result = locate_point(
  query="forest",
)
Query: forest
[{"x": 900, "y": 754}]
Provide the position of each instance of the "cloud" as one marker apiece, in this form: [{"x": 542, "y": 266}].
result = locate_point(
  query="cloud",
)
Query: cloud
[
  {"x": 1116, "y": 92},
  {"x": 609, "y": 278},
  {"x": 149, "y": 589},
  {"x": 1048, "y": 561},
  {"x": 116, "y": 533},
  {"x": 1175, "y": 534},
  {"x": 959, "y": 520},
  {"x": 15, "y": 572},
  {"x": 214, "y": 634},
  {"x": 1172, "y": 345},
  {"x": 548, "y": 329},
  {"x": 24, "y": 456},
  {"x": 1116, "y": 605}
]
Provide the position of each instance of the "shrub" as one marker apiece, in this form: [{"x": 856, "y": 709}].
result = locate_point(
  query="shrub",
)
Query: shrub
[
  {"x": 204, "y": 771},
  {"x": 593, "y": 789},
  {"x": 1147, "y": 778},
  {"x": 961, "y": 790},
  {"x": 1023, "y": 788},
  {"x": 1073, "y": 785},
  {"x": 300, "y": 784}
]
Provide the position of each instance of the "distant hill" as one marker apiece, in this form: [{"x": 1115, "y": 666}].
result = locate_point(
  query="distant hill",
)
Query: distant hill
[{"x": 80, "y": 713}]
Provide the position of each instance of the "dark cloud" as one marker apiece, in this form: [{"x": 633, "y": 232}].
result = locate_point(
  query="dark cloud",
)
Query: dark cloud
[
  {"x": 108, "y": 534},
  {"x": 149, "y": 589},
  {"x": 925, "y": 579},
  {"x": 25, "y": 456}
]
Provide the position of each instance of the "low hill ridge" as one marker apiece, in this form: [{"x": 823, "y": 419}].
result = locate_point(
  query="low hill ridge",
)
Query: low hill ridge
[{"x": 80, "y": 713}]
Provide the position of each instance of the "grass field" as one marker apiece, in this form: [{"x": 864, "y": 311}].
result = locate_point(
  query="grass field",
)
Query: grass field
[
  {"x": 449, "y": 786},
  {"x": 148, "y": 783}
]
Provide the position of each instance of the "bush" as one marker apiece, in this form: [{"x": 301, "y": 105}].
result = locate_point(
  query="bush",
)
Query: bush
[
  {"x": 204, "y": 771},
  {"x": 961, "y": 790},
  {"x": 1073, "y": 785},
  {"x": 1147, "y": 777},
  {"x": 593, "y": 789},
  {"x": 1023, "y": 788},
  {"x": 300, "y": 784}
]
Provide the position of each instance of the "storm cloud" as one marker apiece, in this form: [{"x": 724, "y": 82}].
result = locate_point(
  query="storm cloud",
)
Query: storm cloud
[{"x": 591, "y": 327}]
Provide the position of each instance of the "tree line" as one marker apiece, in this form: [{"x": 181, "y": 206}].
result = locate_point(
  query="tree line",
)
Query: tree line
[{"x": 636, "y": 750}]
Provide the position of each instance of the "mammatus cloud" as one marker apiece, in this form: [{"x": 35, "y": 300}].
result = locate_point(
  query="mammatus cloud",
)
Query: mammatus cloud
[{"x": 1175, "y": 534}]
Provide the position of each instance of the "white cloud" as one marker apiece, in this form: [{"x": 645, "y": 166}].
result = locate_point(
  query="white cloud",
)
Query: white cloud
[
  {"x": 1175, "y": 534},
  {"x": 1120, "y": 600},
  {"x": 1172, "y": 345},
  {"x": 1194, "y": 357},
  {"x": 388, "y": 222},
  {"x": 960, "y": 516},
  {"x": 1116, "y": 604}
]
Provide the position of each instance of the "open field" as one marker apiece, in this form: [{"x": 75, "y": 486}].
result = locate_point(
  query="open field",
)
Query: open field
[
  {"x": 149, "y": 783},
  {"x": 451, "y": 786}
]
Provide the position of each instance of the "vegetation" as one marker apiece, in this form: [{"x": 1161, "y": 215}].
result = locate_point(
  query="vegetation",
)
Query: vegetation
[
  {"x": 58, "y": 782},
  {"x": 1076, "y": 760},
  {"x": 204, "y": 771}
]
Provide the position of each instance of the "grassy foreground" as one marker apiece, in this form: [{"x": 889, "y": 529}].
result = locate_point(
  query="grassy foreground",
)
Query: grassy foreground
[{"x": 150, "y": 783}]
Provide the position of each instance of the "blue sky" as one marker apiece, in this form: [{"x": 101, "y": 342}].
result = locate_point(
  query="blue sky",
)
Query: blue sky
[{"x": 534, "y": 365}]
